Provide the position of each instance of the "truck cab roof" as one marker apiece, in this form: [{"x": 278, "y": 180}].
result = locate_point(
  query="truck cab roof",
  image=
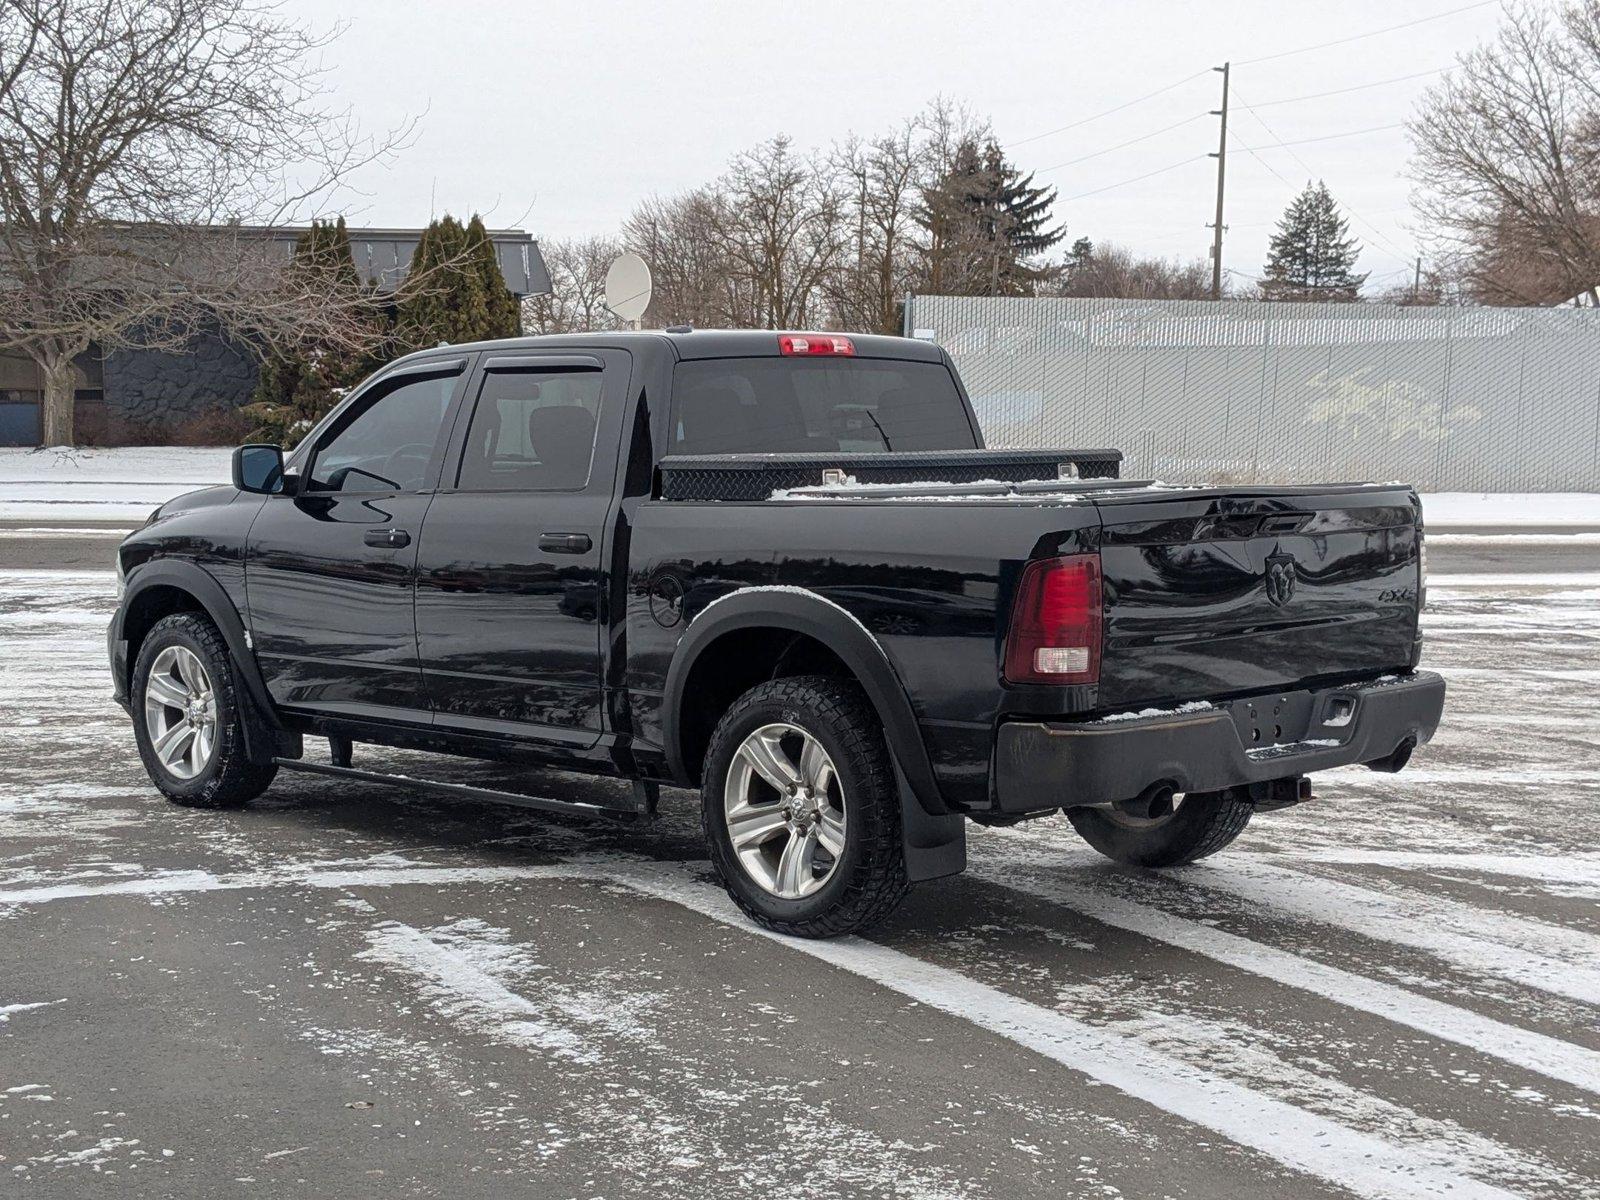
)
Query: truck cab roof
[{"x": 696, "y": 343}]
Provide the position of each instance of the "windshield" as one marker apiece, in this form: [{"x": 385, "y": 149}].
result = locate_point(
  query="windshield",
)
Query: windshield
[{"x": 787, "y": 405}]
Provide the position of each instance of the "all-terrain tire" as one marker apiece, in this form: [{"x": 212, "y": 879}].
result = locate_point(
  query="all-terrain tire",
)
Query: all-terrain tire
[
  {"x": 229, "y": 779},
  {"x": 870, "y": 877},
  {"x": 1203, "y": 824}
]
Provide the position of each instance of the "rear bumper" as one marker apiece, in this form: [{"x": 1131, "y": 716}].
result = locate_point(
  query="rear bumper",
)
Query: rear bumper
[{"x": 1041, "y": 765}]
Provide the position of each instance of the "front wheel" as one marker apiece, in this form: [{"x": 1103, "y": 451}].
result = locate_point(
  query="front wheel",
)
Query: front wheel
[
  {"x": 189, "y": 717},
  {"x": 800, "y": 808},
  {"x": 1163, "y": 831}
]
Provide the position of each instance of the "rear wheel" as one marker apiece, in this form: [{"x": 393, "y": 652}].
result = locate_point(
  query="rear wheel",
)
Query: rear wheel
[
  {"x": 189, "y": 717},
  {"x": 1163, "y": 830},
  {"x": 800, "y": 808}
]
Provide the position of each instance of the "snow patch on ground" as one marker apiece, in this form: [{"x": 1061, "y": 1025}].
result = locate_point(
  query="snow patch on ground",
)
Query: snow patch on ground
[
  {"x": 472, "y": 974},
  {"x": 7, "y": 1011}
]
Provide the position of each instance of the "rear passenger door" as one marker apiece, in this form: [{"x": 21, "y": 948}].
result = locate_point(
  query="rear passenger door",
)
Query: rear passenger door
[{"x": 511, "y": 580}]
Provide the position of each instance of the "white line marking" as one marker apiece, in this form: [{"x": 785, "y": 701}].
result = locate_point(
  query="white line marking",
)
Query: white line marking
[
  {"x": 1487, "y": 776},
  {"x": 1550, "y": 958},
  {"x": 1530, "y": 1051},
  {"x": 1563, "y": 869}
]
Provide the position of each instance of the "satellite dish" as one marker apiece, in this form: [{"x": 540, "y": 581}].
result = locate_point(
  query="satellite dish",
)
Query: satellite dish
[{"x": 628, "y": 287}]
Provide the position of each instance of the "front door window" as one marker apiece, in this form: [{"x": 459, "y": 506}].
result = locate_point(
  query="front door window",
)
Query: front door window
[{"x": 387, "y": 446}]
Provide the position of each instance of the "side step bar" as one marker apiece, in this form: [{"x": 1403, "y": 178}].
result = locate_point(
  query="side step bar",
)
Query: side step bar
[{"x": 645, "y": 793}]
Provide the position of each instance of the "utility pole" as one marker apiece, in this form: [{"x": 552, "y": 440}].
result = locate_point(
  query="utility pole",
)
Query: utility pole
[
  {"x": 1416, "y": 282},
  {"x": 1222, "y": 167}
]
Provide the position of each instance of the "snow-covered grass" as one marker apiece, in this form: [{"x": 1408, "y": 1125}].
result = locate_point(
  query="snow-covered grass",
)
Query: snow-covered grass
[
  {"x": 1536, "y": 510},
  {"x": 125, "y": 483},
  {"x": 120, "y": 484}
]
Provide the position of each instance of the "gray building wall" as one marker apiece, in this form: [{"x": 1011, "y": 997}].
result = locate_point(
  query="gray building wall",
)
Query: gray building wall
[{"x": 1448, "y": 399}]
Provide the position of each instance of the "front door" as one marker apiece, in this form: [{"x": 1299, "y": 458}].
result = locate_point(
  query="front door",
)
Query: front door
[
  {"x": 331, "y": 570},
  {"x": 510, "y": 576}
]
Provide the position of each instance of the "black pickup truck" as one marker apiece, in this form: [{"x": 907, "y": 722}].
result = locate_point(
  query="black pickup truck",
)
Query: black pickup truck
[{"x": 781, "y": 568}]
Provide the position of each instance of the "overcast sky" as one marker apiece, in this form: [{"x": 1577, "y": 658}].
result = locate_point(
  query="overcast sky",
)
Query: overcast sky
[{"x": 559, "y": 117}]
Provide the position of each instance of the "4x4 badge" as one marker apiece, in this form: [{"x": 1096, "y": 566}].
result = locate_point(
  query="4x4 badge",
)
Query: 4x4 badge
[{"x": 1280, "y": 579}]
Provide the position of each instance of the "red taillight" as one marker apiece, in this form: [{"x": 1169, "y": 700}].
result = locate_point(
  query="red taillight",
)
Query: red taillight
[
  {"x": 815, "y": 343},
  {"x": 1055, "y": 622}
]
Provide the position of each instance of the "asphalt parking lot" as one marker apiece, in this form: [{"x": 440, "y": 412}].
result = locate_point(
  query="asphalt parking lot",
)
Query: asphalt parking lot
[{"x": 349, "y": 990}]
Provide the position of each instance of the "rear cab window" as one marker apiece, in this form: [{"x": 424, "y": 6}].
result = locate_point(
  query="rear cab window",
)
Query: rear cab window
[{"x": 783, "y": 405}]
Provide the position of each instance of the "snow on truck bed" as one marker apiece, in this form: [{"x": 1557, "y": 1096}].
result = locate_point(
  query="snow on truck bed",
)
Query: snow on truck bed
[{"x": 123, "y": 484}]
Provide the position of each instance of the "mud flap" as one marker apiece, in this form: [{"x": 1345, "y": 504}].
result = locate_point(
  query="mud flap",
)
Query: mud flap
[
  {"x": 934, "y": 845},
  {"x": 264, "y": 745}
]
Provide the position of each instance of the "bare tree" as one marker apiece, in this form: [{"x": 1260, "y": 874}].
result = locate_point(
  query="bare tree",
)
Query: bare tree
[
  {"x": 681, "y": 239},
  {"x": 576, "y": 301},
  {"x": 149, "y": 151},
  {"x": 780, "y": 232},
  {"x": 1507, "y": 158},
  {"x": 949, "y": 129},
  {"x": 880, "y": 183},
  {"x": 1114, "y": 271}
]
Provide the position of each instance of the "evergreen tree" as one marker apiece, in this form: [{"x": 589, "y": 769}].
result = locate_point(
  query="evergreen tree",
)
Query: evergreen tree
[
  {"x": 436, "y": 298},
  {"x": 1312, "y": 254},
  {"x": 988, "y": 223},
  {"x": 454, "y": 291},
  {"x": 1077, "y": 263},
  {"x": 505, "y": 315},
  {"x": 296, "y": 389}
]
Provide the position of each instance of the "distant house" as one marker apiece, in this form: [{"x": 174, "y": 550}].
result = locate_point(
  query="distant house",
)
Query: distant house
[{"x": 142, "y": 396}]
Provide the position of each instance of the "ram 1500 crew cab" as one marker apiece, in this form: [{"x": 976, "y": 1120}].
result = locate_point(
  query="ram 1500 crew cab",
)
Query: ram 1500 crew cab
[{"x": 784, "y": 570}]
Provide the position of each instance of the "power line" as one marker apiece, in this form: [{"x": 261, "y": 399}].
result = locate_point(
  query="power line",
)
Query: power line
[
  {"x": 1270, "y": 168},
  {"x": 1388, "y": 246},
  {"x": 1325, "y": 138},
  {"x": 1129, "y": 104},
  {"x": 1147, "y": 175},
  {"x": 1144, "y": 137},
  {"x": 1360, "y": 87},
  {"x": 1362, "y": 36}
]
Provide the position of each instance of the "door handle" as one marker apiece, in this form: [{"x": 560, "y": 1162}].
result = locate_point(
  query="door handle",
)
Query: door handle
[
  {"x": 565, "y": 543},
  {"x": 389, "y": 539}
]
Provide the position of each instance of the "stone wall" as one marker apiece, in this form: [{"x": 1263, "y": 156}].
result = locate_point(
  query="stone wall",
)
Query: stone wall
[{"x": 155, "y": 389}]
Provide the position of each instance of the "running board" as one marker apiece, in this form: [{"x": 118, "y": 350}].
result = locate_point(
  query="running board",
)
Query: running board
[{"x": 644, "y": 793}]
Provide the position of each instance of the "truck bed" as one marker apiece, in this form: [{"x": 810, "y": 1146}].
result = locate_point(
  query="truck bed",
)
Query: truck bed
[{"x": 1188, "y": 614}]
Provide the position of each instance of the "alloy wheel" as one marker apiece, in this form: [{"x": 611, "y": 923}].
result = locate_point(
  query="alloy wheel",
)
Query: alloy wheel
[
  {"x": 180, "y": 712},
  {"x": 785, "y": 811}
]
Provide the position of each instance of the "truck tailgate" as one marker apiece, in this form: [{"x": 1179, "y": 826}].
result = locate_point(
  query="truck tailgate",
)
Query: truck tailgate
[{"x": 1212, "y": 592}]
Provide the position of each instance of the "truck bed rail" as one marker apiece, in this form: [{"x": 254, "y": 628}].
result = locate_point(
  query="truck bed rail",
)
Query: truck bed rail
[{"x": 757, "y": 476}]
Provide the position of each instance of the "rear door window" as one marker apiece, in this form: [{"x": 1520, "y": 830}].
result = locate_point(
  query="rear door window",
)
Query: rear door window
[{"x": 783, "y": 405}]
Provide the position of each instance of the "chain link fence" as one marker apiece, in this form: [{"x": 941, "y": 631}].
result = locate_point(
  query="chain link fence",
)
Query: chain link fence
[{"x": 1193, "y": 391}]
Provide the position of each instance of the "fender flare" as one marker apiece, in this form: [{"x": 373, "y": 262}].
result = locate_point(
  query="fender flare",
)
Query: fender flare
[
  {"x": 197, "y": 582},
  {"x": 806, "y": 612}
]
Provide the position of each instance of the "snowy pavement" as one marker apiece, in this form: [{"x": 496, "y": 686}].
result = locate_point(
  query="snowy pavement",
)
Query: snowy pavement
[{"x": 349, "y": 990}]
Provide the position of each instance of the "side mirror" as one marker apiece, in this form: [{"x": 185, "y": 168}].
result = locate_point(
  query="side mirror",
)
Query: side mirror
[{"x": 258, "y": 468}]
